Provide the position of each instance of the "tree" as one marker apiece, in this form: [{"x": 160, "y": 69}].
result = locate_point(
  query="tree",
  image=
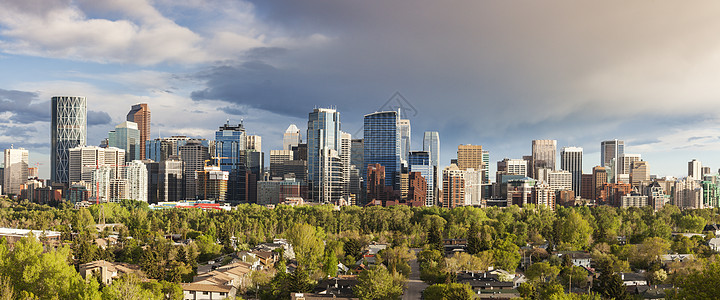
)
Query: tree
[
  {"x": 572, "y": 231},
  {"x": 699, "y": 284},
  {"x": 578, "y": 275},
  {"x": 378, "y": 283},
  {"x": 506, "y": 254},
  {"x": 609, "y": 284},
  {"x": 473, "y": 239},
  {"x": 435, "y": 239},
  {"x": 396, "y": 259},
  {"x": 542, "y": 271},
  {"x": 650, "y": 250},
  {"x": 127, "y": 286},
  {"x": 308, "y": 244},
  {"x": 450, "y": 291},
  {"x": 300, "y": 281}
]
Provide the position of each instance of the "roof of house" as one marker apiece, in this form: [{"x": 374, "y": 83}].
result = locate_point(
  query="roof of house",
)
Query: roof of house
[{"x": 200, "y": 287}]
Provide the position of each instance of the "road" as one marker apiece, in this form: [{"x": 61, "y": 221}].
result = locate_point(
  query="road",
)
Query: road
[{"x": 414, "y": 286}]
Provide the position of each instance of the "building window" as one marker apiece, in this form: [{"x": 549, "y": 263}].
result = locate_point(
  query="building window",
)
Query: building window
[{"x": 206, "y": 293}]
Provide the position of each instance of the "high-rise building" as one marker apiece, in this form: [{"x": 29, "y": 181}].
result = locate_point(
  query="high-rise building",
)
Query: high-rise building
[
  {"x": 419, "y": 161},
  {"x": 161, "y": 148},
  {"x": 587, "y": 187},
  {"x": 382, "y": 144},
  {"x": 126, "y": 136},
  {"x": 171, "y": 179},
  {"x": 486, "y": 167},
  {"x": 600, "y": 178},
  {"x": 639, "y": 173},
  {"x": 695, "y": 169},
  {"x": 513, "y": 167},
  {"x": 278, "y": 159},
  {"x": 69, "y": 130},
  {"x": 624, "y": 162},
  {"x": 453, "y": 187},
  {"x": 323, "y": 157},
  {"x": 212, "y": 183},
  {"x": 193, "y": 154},
  {"x": 470, "y": 156},
  {"x": 543, "y": 155},
  {"x": 610, "y": 149},
  {"x": 417, "y": 190},
  {"x": 153, "y": 184},
  {"x": 571, "y": 161},
  {"x": 431, "y": 145},
  {"x": 137, "y": 181},
  {"x": 404, "y": 128},
  {"x": 16, "y": 170},
  {"x": 560, "y": 180},
  {"x": 86, "y": 159},
  {"x": 231, "y": 153},
  {"x": 688, "y": 194},
  {"x": 656, "y": 195},
  {"x": 140, "y": 114},
  {"x": 254, "y": 142},
  {"x": 345, "y": 153},
  {"x": 291, "y": 138}
]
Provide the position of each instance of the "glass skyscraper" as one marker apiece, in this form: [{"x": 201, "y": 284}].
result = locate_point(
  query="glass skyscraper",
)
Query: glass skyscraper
[
  {"x": 419, "y": 161},
  {"x": 382, "y": 144},
  {"x": 323, "y": 151},
  {"x": 230, "y": 155},
  {"x": 69, "y": 130},
  {"x": 126, "y": 136},
  {"x": 431, "y": 144}
]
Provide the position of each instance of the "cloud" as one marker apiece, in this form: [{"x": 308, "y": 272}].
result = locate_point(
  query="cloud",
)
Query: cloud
[
  {"x": 98, "y": 118},
  {"x": 24, "y": 107}
]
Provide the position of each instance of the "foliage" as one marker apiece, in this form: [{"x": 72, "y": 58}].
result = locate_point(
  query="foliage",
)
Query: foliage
[
  {"x": 308, "y": 244},
  {"x": 450, "y": 291},
  {"x": 506, "y": 254},
  {"x": 378, "y": 283}
]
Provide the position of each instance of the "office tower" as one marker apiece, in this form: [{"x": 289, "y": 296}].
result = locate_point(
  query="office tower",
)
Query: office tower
[
  {"x": 323, "y": 145},
  {"x": 279, "y": 191},
  {"x": 68, "y": 130},
  {"x": 153, "y": 184},
  {"x": 656, "y": 195},
  {"x": 513, "y": 166},
  {"x": 625, "y": 161},
  {"x": 469, "y": 156},
  {"x": 453, "y": 186},
  {"x": 161, "y": 148},
  {"x": 255, "y": 171},
  {"x": 254, "y": 142},
  {"x": 278, "y": 159},
  {"x": 587, "y": 187},
  {"x": 193, "y": 154},
  {"x": 126, "y": 136},
  {"x": 16, "y": 170},
  {"x": 571, "y": 161},
  {"x": 560, "y": 180},
  {"x": 2, "y": 179},
  {"x": 212, "y": 183},
  {"x": 543, "y": 155},
  {"x": 486, "y": 167},
  {"x": 520, "y": 191},
  {"x": 473, "y": 186},
  {"x": 688, "y": 194},
  {"x": 291, "y": 138},
  {"x": 231, "y": 144},
  {"x": 600, "y": 177},
  {"x": 357, "y": 152},
  {"x": 100, "y": 184},
  {"x": 639, "y": 173},
  {"x": 171, "y": 179},
  {"x": 137, "y": 181},
  {"x": 345, "y": 153},
  {"x": 431, "y": 145},
  {"x": 404, "y": 128},
  {"x": 695, "y": 169},
  {"x": 83, "y": 160},
  {"x": 382, "y": 144},
  {"x": 140, "y": 115},
  {"x": 705, "y": 171},
  {"x": 378, "y": 193},
  {"x": 419, "y": 161},
  {"x": 610, "y": 149},
  {"x": 544, "y": 195}
]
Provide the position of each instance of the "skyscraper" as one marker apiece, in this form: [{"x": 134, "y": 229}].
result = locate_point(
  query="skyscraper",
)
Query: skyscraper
[
  {"x": 16, "y": 170},
  {"x": 171, "y": 179},
  {"x": 137, "y": 181},
  {"x": 695, "y": 169},
  {"x": 486, "y": 167},
  {"x": 610, "y": 149},
  {"x": 453, "y": 187},
  {"x": 291, "y": 138},
  {"x": 470, "y": 156},
  {"x": 323, "y": 146},
  {"x": 419, "y": 161},
  {"x": 404, "y": 127},
  {"x": 140, "y": 114},
  {"x": 345, "y": 153},
  {"x": 431, "y": 145},
  {"x": 231, "y": 152},
  {"x": 83, "y": 160},
  {"x": 193, "y": 154},
  {"x": 68, "y": 130},
  {"x": 543, "y": 155},
  {"x": 382, "y": 144},
  {"x": 126, "y": 136},
  {"x": 639, "y": 173},
  {"x": 571, "y": 161}
]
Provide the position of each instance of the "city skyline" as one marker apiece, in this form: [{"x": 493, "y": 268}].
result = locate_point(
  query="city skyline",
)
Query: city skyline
[{"x": 647, "y": 84}]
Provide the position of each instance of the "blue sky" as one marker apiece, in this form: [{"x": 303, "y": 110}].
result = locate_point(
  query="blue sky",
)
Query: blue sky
[{"x": 494, "y": 73}]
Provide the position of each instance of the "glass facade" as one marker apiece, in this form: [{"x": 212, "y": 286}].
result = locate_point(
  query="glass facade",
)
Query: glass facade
[
  {"x": 382, "y": 144},
  {"x": 323, "y": 142},
  {"x": 431, "y": 144},
  {"x": 69, "y": 130},
  {"x": 126, "y": 136},
  {"x": 230, "y": 155},
  {"x": 419, "y": 161}
]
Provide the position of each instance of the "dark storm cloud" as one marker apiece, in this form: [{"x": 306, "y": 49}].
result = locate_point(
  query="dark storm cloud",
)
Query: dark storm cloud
[
  {"x": 22, "y": 107},
  {"x": 98, "y": 118}
]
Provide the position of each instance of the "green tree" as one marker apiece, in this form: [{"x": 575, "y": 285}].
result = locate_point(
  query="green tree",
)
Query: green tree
[
  {"x": 308, "y": 244},
  {"x": 542, "y": 271},
  {"x": 609, "y": 284},
  {"x": 450, "y": 291},
  {"x": 435, "y": 237},
  {"x": 572, "y": 232},
  {"x": 396, "y": 259},
  {"x": 506, "y": 254},
  {"x": 473, "y": 239},
  {"x": 378, "y": 283},
  {"x": 699, "y": 284}
]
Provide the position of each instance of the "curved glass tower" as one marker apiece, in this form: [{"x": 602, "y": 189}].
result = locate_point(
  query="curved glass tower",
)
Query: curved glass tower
[
  {"x": 382, "y": 144},
  {"x": 69, "y": 130}
]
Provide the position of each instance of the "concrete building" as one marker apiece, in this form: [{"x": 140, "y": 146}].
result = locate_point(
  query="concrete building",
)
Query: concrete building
[
  {"x": 405, "y": 138},
  {"x": 453, "y": 187},
  {"x": 278, "y": 191},
  {"x": 688, "y": 194},
  {"x": 600, "y": 177},
  {"x": 695, "y": 169},
  {"x": 470, "y": 156},
  {"x": 212, "y": 183},
  {"x": 86, "y": 159},
  {"x": 161, "y": 148},
  {"x": 656, "y": 195},
  {"x": 137, "y": 181},
  {"x": 170, "y": 187},
  {"x": 513, "y": 166},
  {"x": 587, "y": 187},
  {"x": 610, "y": 150},
  {"x": 625, "y": 161},
  {"x": 639, "y": 173},
  {"x": 543, "y": 155},
  {"x": 560, "y": 180},
  {"x": 140, "y": 115},
  {"x": 193, "y": 154},
  {"x": 633, "y": 201},
  {"x": 544, "y": 195},
  {"x": 291, "y": 137},
  {"x": 323, "y": 157},
  {"x": 16, "y": 170},
  {"x": 68, "y": 130},
  {"x": 278, "y": 159},
  {"x": 571, "y": 160},
  {"x": 520, "y": 191}
]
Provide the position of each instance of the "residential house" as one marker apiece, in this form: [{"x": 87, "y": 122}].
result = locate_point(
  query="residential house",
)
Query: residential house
[{"x": 108, "y": 270}]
